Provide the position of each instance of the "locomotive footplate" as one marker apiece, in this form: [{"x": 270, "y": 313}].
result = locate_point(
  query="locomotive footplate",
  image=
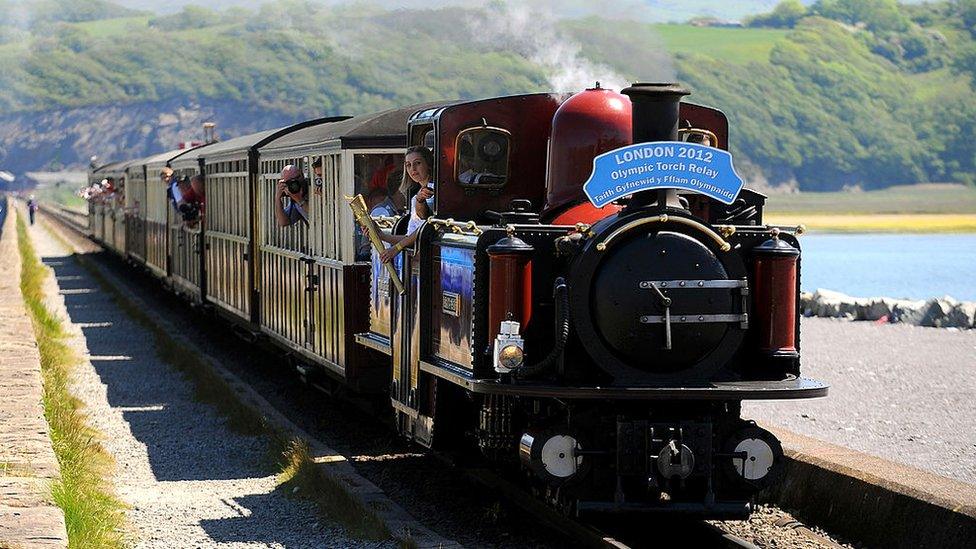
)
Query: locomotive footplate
[{"x": 788, "y": 388}]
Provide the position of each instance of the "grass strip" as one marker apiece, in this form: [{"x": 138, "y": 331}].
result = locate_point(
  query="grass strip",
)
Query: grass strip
[
  {"x": 93, "y": 516},
  {"x": 297, "y": 471},
  {"x": 879, "y": 223}
]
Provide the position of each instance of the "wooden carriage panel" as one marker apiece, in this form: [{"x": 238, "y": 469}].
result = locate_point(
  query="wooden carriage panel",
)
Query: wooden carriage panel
[
  {"x": 157, "y": 207},
  {"x": 185, "y": 248},
  {"x": 227, "y": 235},
  {"x": 284, "y": 301},
  {"x": 98, "y": 225},
  {"x": 283, "y": 265},
  {"x": 185, "y": 242},
  {"x": 135, "y": 222},
  {"x": 116, "y": 232},
  {"x": 363, "y": 372},
  {"x": 108, "y": 226}
]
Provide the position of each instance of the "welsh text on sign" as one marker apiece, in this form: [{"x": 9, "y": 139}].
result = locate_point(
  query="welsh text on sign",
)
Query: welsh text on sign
[{"x": 662, "y": 165}]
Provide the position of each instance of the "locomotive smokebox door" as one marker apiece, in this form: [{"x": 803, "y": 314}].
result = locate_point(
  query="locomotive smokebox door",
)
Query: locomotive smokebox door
[
  {"x": 660, "y": 302},
  {"x": 651, "y": 303}
]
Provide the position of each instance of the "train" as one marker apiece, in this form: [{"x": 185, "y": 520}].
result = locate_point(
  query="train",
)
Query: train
[{"x": 596, "y": 352}]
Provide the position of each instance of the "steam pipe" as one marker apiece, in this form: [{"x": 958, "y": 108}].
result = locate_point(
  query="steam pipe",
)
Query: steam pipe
[{"x": 560, "y": 293}]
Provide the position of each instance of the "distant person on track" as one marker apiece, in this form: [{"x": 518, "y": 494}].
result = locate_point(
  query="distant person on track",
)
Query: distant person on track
[
  {"x": 31, "y": 208},
  {"x": 417, "y": 174},
  {"x": 293, "y": 185}
]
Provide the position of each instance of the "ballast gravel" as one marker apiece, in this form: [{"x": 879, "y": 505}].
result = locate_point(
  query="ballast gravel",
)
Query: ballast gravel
[
  {"x": 900, "y": 392},
  {"x": 188, "y": 480}
]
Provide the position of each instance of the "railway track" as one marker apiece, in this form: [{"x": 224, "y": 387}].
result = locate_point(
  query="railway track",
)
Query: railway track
[{"x": 610, "y": 533}]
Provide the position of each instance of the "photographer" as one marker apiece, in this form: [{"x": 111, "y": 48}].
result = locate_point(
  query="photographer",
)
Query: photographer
[
  {"x": 190, "y": 205},
  {"x": 293, "y": 185}
]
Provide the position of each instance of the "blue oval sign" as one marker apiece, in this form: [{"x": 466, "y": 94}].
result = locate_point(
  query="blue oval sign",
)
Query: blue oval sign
[{"x": 662, "y": 165}]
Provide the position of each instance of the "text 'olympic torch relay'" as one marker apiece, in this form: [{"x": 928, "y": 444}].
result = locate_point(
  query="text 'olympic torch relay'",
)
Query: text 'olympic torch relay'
[{"x": 662, "y": 165}]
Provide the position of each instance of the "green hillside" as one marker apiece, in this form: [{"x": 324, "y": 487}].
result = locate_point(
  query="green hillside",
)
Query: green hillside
[
  {"x": 839, "y": 93},
  {"x": 736, "y": 45}
]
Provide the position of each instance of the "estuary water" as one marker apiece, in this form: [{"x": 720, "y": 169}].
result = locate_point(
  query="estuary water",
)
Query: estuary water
[{"x": 914, "y": 266}]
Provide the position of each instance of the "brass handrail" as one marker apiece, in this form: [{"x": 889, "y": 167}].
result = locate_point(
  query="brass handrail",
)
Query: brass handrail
[
  {"x": 460, "y": 227},
  {"x": 664, "y": 218}
]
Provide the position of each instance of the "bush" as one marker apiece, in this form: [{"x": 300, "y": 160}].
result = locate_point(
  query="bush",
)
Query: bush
[{"x": 784, "y": 16}]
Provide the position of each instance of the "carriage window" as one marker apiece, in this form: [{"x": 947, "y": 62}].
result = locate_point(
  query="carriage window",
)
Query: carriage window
[
  {"x": 377, "y": 177},
  {"x": 482, "y": 157}
]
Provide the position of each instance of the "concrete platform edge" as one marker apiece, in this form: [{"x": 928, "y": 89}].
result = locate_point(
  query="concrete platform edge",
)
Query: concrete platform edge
[
  {"x": 874, "y": 501},
  {"x": 27, "y": 462}
]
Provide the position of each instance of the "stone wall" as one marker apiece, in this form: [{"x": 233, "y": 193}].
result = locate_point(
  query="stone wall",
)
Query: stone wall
[
  {"x": 27, "y": 463},
  {"x": 939, "y": 312}
]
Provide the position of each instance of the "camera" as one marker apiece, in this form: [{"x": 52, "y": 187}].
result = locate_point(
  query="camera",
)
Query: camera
[
  {"x": 296, "y": 185},
  {"x": 190, "y": 211}
]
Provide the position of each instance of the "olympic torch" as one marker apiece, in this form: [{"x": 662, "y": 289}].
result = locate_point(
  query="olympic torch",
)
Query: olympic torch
[{"x": 358, "y": 205}]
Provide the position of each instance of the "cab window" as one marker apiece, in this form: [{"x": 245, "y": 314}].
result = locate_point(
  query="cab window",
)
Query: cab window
[{"x": 482, "y": 157}]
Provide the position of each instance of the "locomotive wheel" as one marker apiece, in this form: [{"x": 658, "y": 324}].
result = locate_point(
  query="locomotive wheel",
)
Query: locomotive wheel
[{"x": 762, "y": 464}]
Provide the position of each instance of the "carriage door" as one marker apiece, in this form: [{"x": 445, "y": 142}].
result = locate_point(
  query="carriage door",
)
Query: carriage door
[{"x": 403, "y": 335}]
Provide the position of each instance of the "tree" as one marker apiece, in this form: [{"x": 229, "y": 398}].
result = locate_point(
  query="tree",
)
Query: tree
[
  {"x": 875, "y": 15},
  {"x": 784, "y": 15}
]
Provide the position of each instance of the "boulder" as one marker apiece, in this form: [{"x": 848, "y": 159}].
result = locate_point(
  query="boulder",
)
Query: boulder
[
  {"x": 827, "y": 303},
  {"x": 806, "y": 303},
  {"x": 907, "y": 311},
  {"x": 874, "y": 308},
  {"x": 937, "y": 311},
  {"x": 962, "y": 315}
]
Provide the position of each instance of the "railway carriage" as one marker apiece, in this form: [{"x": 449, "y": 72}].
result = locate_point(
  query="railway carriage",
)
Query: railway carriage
[
  {"x": 313, "y": 278},
  {"x": 600, "y": 350},
  {"x": 232, "y": 175}
]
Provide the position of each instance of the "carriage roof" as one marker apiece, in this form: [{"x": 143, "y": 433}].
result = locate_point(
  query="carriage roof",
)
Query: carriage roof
[
  {"x": 383, "y": 129},
  {"x": 191, "y": 156},
  {"x": 245, "y": 143},
  {"x": 165, "y": 158},
  {"x": 110, "y": 167}
]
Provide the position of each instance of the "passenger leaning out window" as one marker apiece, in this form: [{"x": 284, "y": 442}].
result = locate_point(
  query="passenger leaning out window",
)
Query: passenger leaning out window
[
  {"x": 293, "y": 185},
  {"x": 417, "y": 174}
]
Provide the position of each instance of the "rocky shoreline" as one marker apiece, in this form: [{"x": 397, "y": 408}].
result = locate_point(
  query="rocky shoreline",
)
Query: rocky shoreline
[{"x": 939, "y": 312}]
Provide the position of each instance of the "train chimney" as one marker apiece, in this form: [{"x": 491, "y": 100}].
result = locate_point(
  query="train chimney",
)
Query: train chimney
[
  {"x": 209, "y": 132},
  {"x": 654, "y": 116}
]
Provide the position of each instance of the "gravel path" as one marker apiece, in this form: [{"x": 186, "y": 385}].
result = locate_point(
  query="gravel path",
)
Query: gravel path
[
  {"x": 189, "y": 481},
  {"x": 900, "y": 392}
]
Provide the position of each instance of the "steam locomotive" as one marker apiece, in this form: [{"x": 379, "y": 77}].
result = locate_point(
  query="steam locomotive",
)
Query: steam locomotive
[{"x": 600, "y": 353}]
